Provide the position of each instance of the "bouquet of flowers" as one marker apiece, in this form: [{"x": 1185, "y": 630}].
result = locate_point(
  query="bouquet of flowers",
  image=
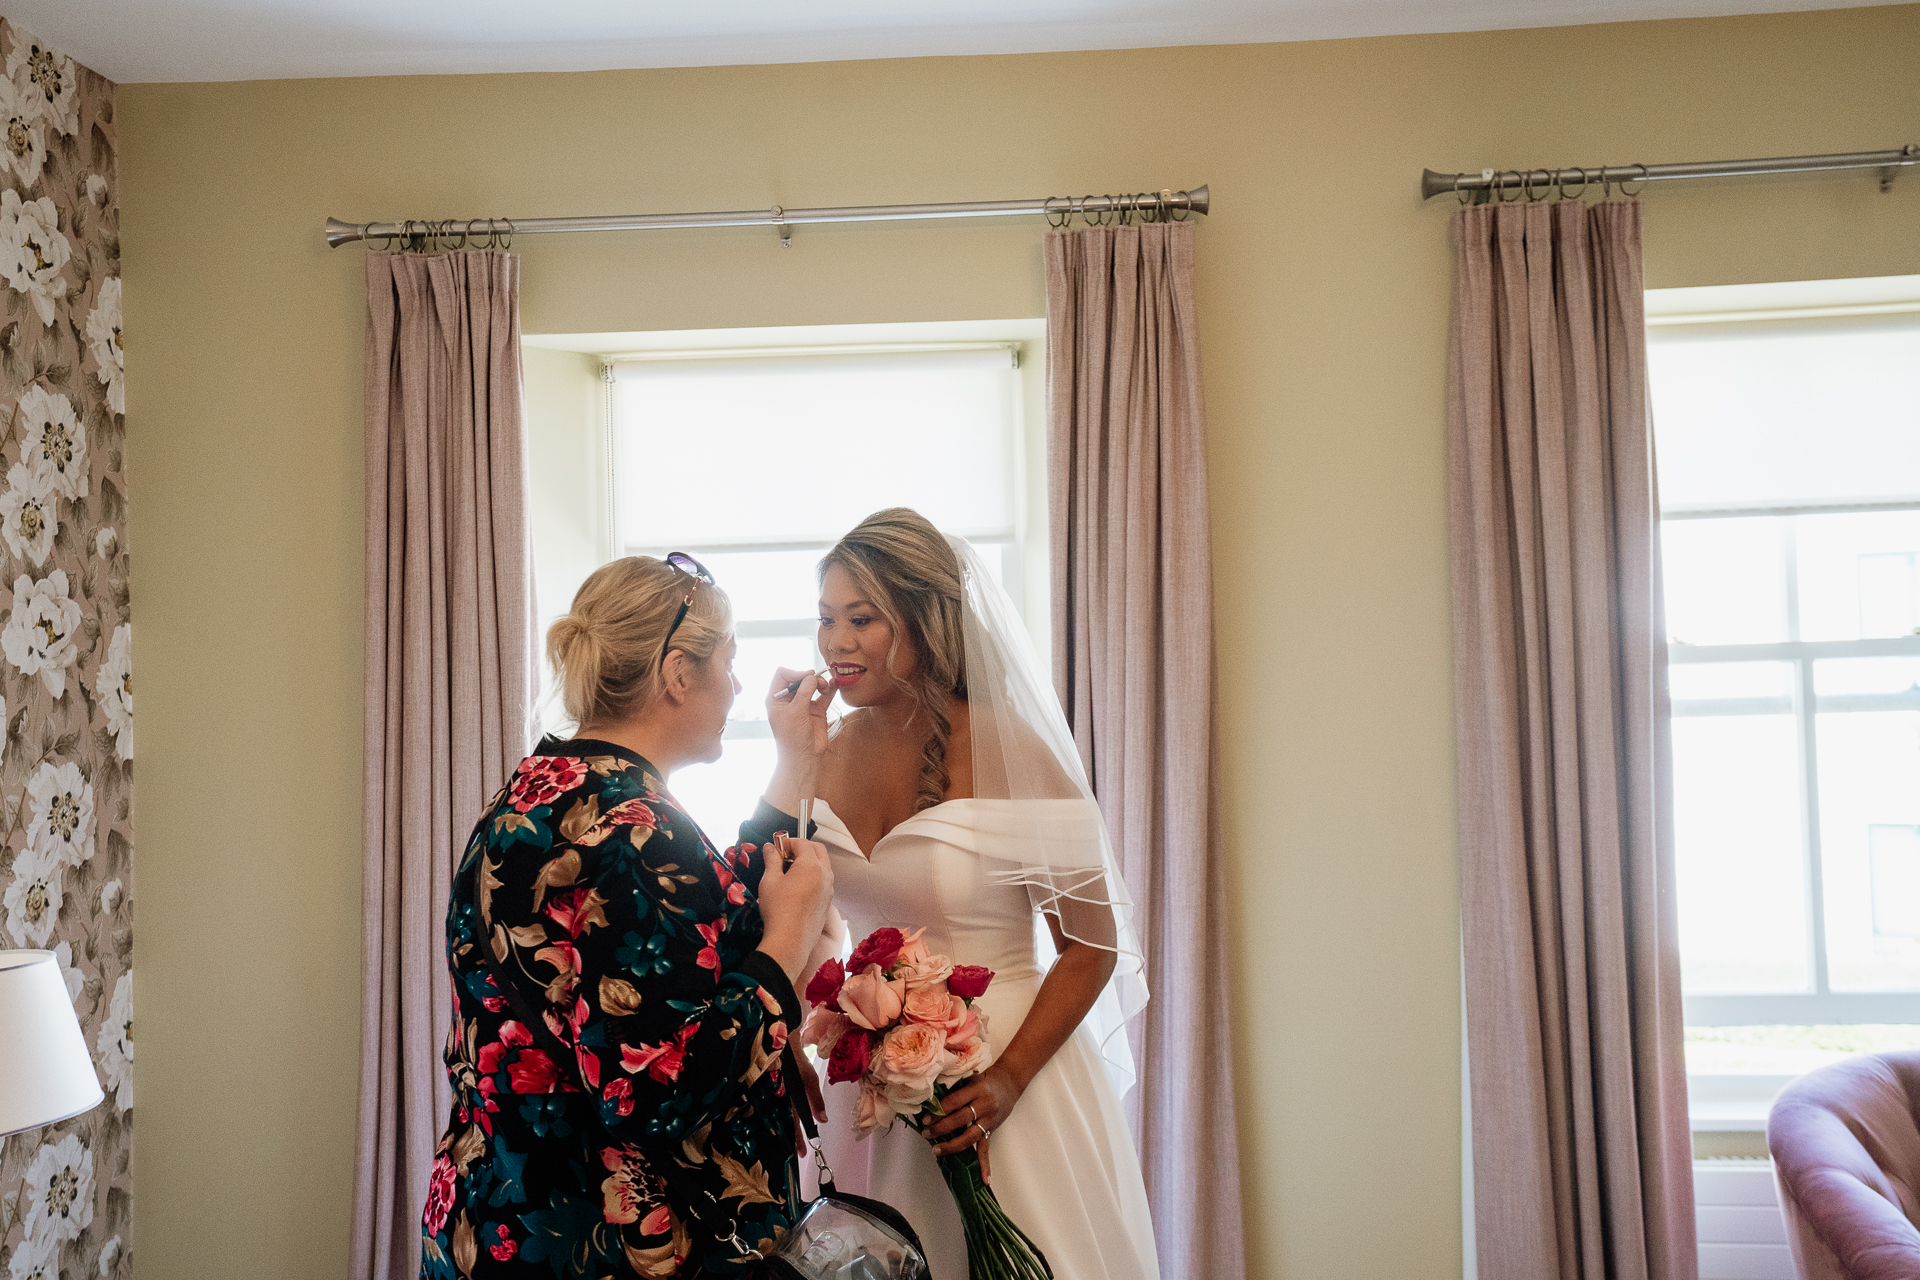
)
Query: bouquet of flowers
[{"x": 899, "y": 1020}]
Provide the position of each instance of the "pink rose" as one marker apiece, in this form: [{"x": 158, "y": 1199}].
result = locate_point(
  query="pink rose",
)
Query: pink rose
[
  {"x": 823, "y": 1028},
  {"x": 874, "y": 1114},
  {"x": 971, "y": 1024},
  {"x": 930, "y": 1004},
  {"x": 911, "y": 1057},
  {"x": 870, "y": 1000},
  {"x": 970, "y": 1060},
  {"x": 913, "y": 949},
  {"x": 918, "y": 965}
]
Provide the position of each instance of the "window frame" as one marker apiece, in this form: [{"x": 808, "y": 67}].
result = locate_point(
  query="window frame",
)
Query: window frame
[
  {"x": 1024, "y": 340},
  {"x": 1838, "y": 301}
]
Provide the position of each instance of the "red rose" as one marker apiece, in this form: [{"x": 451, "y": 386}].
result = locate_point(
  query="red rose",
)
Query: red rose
[
  {"x": 882, "y": 947},
  {"x": 533, "y": 1072},
  {"x": 969, "y": 981},
  {"x": 849, "y": 1058},
  {"x": 824, "y": 987}
]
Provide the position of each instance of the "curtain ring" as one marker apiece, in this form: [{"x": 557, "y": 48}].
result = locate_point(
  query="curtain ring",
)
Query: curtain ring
[
  {"x": 1464, "y": 197},
  {"x": 1181, "y": 203},
  {"x": 1560, "y": 179},
  {"x": 507, "y": 244},
  {"x": 1047, "y": 211},
  {"x": 1643, "y": 183},
  {"x": 1526, "y": 186},
  {"x": 1499, "y": 186},
  {"x": 1087, "y": 217}
]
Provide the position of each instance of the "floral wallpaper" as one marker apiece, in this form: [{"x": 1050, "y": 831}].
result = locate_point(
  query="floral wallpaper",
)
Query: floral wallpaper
[{"x": 66, "y": 682}]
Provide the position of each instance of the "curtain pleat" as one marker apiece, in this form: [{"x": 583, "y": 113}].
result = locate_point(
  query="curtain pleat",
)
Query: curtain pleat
[
  {"x": 450, "y": 684},
  {"x": 1581, "y": 1145},
  {"x": 1134, "y": 663}
]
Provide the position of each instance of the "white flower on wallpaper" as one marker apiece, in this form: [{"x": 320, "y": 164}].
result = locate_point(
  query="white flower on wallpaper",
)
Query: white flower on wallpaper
[
  {"x": 23, "y": 138},
  {"x": 38, "y": 638},
  {"x": 66, "y": 784},
  {"x": 35, "y": 1260},
  {"x": 75, "y": 980},
  {"x": 29, "y": 514},
  {"x": 32, "y": 901},
  {"x": 103, "y": 339},
  {"x": 115, "y": 1045},
  {"x": 49, "y": 77},
  {"x": 33, "y": 253},
  {"x": 52, "y": 441},
  {"x": 60, "y": 1190},
  {"x": 62, "y": 806},
  {"x": 114, "y": 686}
]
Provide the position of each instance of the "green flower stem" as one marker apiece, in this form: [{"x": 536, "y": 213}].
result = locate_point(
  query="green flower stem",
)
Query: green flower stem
[{"x": 996, "y": 1248}]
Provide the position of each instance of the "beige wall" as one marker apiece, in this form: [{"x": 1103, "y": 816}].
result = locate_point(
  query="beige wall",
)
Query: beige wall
[{"x": 1323, "y": 299}]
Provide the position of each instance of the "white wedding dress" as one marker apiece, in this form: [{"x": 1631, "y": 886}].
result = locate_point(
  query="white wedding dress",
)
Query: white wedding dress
[{"x": 1063, "y": 1164}]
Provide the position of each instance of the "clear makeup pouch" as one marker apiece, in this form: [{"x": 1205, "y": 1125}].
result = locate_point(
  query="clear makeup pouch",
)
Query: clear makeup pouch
[{"x": 843, "y": 1237}]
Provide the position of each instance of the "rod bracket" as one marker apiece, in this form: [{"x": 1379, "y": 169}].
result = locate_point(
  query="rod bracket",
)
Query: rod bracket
[{"x": 780, "y": 225}]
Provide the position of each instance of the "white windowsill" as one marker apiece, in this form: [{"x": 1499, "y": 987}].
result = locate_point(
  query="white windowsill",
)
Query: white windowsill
[{"x": 1732, "y": 1103}]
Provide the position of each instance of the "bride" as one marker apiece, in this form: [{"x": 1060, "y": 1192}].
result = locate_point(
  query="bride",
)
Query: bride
[{"x": 952, "y": 797}]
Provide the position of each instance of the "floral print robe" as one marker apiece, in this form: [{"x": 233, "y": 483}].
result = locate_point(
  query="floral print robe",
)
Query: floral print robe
[{"x": 666, "y": 1145}]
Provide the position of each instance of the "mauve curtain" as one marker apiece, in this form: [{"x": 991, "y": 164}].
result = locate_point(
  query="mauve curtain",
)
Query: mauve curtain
[
  {"x": 1133, "y": 662},
  {"x": 450, "y": 683},
  {"x": 1581, "y": 1149}
]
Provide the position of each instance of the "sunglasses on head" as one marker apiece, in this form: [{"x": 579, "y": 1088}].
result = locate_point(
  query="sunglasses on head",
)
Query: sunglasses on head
[{"x": 686, "y": 564}]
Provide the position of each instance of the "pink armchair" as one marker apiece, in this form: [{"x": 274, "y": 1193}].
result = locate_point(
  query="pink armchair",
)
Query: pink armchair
[{"x": 1846, "y": 1151}]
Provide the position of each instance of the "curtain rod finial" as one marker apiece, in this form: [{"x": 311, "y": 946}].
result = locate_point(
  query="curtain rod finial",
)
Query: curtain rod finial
[
  {"x": 1432, "y": 184},
  {"x": 339, "y": 233}
]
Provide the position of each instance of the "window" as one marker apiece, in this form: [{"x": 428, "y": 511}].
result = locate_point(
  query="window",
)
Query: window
[
  {"x": 756, "y": 458},
  {"x": 1789, "y": 460}
]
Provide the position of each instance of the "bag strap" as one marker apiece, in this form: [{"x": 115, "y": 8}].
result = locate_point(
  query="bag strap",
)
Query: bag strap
[{"x": 532, "y": 1021}]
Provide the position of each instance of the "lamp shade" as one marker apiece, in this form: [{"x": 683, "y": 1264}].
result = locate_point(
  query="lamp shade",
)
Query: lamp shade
[{"x": 46, "y": 1073}]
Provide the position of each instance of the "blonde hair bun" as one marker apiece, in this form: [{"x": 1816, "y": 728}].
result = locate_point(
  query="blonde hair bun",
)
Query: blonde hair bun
[{"x": 606, "y": 649}]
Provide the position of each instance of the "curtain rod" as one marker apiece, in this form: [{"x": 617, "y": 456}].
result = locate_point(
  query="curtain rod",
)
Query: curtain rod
[
  {"x": 1433, "y": 184},
  {"x": 1161, "y": 205}
]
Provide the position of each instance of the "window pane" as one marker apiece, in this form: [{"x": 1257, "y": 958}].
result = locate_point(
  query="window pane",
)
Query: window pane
[
  {"x": 1870, "y": 822},
  {"x": 1743, "y": 924},
  {"x": 767, "y": 585},
  {"x": 755, "y": 664},
  {"x": 1696, "y": 681},
  {"x": 1853, "y": 677},
  {"x": 760, "y": 450},
  {"x": 1858, "y": 576},
  {"x": 1755, "y": 412},
  {"x": 1725, "y": 580},
  {"x": 722, "y": 795}
]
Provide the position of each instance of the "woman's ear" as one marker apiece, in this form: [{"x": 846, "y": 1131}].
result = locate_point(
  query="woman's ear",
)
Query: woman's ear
[{"x": 676, "y": 676}]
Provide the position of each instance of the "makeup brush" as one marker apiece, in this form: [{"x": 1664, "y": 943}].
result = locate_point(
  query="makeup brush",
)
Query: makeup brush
[{"x": 795, "y": 686}]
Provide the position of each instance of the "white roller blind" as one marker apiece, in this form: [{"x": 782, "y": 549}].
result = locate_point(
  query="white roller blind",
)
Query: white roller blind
[
  {"x": 788, "y": 449},
  {"x": 1758, "y": 414}
]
